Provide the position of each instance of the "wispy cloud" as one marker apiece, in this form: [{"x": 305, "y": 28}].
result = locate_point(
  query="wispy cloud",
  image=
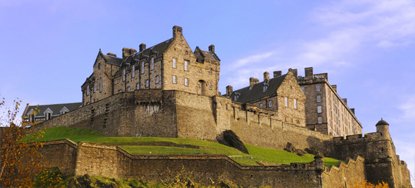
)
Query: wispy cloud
[
  {"x": 408, "y": 109},
  {"x": 348, "y": 28}
]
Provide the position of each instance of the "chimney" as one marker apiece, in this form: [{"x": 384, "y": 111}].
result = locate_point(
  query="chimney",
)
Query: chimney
[
  {"x": 294, "y": 71},
  {"x": 334, "y": 88},
  {"x": 252, "y": 82},
  {"x": 266, "y": 77},
  {"x": 212, "y": 48},
  {"x": 345, "y": 101},
  {"x": 308, "y": 72},
  {"x": 177, "y": 31},
  {"x": 142, "y": 47},
  {"x": 353, "y": 110},
  {"x": 128, "y": 52},
  {"x": 277, "y": 74},
  {"x": 111, "y": 54},
  {"x": 229, "y": 90}
]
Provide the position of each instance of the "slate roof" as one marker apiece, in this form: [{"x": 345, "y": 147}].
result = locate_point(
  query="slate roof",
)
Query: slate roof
[
  {"x": 159, "y": 48},
  {"x": 111, "y": 59},
  {"x": 256, "y": 93},
  {"x": 56, "y": 108}
]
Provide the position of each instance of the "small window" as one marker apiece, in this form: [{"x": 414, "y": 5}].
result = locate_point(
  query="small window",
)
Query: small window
[
  {"x": 99, "y": 66},
  {"x": 186, "y": 81},
  {"x": 147, "y": 83},
  {"x": 142, "y": 67},
  {"x": 261, "y": 105},
  {"x": 295, "y": 103},
  {"x": 319, "y": 109},
  {"x": 174, "y": 79},
  {"x": 87, "y": 90},
  {"x": 265, "y": 88},
  {"x": 174, "y": 63},
  {"x": 286, "y": 101},
  {"x": 133, "y": 72},
  {"x": 152, "y": 63},
  {"x": 270, "y": 104},
  {"x": 186, "y": 65},
  {"x": 318, "y": 98},
  {"x": 320, "y": 120},
  {"x": 123, "y": 74},
  {"x": 157, "y": 79},
  {"x": 318, "y": 87},
  {"x": 138, "y": 86},
  {"x": 48, "y": 116}
]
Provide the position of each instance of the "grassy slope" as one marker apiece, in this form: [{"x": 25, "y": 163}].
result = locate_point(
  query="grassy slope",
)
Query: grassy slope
[{"x": 141, "y": 145}]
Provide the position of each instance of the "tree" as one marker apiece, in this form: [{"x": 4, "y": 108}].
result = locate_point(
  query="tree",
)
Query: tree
[{"x": 19, "y": 160}]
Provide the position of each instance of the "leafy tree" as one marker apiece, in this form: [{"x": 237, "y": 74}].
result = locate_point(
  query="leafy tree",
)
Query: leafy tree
[{"x": 19, "y": 161}]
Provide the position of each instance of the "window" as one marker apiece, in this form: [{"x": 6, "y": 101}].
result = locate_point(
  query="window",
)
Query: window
[
  {"x": 174, "y": 63},
  {"x": 87, "y": 90},
  {"x": 133, "y": 72},
  {"x": 270, "y": 104},
  {"x": 138, "y": 86},
  {"x": 319, "y": 110},
  {"x": 265, "y": 88},
  {"x": 320, "y": 120},
  {"x": 157, "y": 79},
  {"x": 152, "y": 63},
  {"x": 286, "y": 101},
  {"x": 186, "y": 81},
  {"x": 295, "y": 103},
  {"x": 186, "y": 65},
  {"x": 318, "y": 87},
  {"x": 142, "y": 67},
  {"x": 318, "y": 98},
  {"x": 32, "y": 118},
  {"x": 95, "y": 87},
  {"x": 48, "y": 116},
  {"x": 174, "y": 79},
  {"x": 123, "y": 74},
  {"x": 261, "y": 105},
  {"x": 147, "y": 83}
]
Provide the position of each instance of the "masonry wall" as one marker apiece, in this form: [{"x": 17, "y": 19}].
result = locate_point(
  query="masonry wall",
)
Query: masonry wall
[
  {"x": 61, "y": 154},
  {"x": 111, "y": 161},
  {"x": 350, "y": 174}
]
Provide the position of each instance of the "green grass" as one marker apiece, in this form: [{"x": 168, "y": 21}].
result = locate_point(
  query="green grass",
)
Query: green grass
[{"x": 179, "y": 146}]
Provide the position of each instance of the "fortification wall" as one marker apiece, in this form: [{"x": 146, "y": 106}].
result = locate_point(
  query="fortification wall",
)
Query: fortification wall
[
  {"x": 350, "y": 174},
  {"x": 61, "y": 154},
  {"x": 111, "y": 161}
]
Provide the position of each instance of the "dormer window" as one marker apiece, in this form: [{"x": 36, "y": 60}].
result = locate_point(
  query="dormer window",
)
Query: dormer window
[{"x": 265, "y": 87}]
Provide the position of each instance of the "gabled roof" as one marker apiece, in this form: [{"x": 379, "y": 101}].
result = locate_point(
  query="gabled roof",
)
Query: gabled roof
[
  {"x": 55, "y": 108},
  {"x": 109, "y": 59},
  {"x": 202, "y": 55},
  {"x": 247, "y": 95}
]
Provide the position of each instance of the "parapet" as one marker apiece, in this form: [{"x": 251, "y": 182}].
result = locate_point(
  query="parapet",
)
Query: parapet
[{"x": 357, "y": 138}]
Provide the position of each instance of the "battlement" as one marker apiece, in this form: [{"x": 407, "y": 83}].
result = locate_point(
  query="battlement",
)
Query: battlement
[{"x": 358, "y": 138}]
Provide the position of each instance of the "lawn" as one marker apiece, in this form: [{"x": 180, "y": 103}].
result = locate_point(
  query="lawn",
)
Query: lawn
[{"x": 179, "y": 146}]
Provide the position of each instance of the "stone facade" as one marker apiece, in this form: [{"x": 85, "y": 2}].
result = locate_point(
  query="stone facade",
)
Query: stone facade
[
  {"x": 35, "y": 114},
  {"x": 169, "y": 65},
  {"x": 326, "y": 111}
]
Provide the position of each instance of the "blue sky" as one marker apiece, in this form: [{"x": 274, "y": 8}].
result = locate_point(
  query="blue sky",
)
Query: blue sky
[{"x": 47, "y": 48}]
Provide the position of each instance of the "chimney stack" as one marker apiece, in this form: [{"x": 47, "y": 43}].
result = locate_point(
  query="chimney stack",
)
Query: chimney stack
[
  {"x": 294, "y": 71},
  {"x": 229, "y": 90},
  {"x": 128, "y": 52},
  {"x": 142, "y": 47},
  {"x": 308, "y": 72},
  {"x": 177, "y": 31},
  {"x": 212, "y": 48},
  {"x": 353, "y": 110},
  {"x": 266, "y": 77},
  {"x": 277, "y": 74},
  {"x": 345, "y": 101},
  {"x": 334, "y": 88},
  {"x": 252, "y": 82},
  {"x": 111, "y": 54}
]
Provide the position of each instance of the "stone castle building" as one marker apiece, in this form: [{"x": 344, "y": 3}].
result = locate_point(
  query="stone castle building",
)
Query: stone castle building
[
  {"x": 168, "y": 90},
  {"x": 169, "y": 65},
  {"x": 326, "y": 111}
]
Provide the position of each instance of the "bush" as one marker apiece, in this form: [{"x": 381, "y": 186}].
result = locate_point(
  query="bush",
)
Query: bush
[{"x": 52, "y": 177}]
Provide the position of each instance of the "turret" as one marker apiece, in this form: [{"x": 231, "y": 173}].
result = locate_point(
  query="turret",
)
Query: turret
[{"x": 383, "y": 127}]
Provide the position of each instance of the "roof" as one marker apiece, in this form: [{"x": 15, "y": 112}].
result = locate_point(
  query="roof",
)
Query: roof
[
  {"x": 56, "y": 108},
  {"x": 159, "y": 48},
  {"x": 111, "y": 59},
  {"x": 256, "y": 92},
  {"x": 202, "y": 55},
  {"x": 382, "y": 122}
]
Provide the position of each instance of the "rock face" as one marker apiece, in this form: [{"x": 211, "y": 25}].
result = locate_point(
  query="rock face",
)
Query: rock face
[{"x": 230, "y": 139}]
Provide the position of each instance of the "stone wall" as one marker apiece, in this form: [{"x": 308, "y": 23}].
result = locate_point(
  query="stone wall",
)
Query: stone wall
[
  {"x": 350, "y": 174},
  {"x": 111, "y": 161},
  {"x": 61, "y": 154}
]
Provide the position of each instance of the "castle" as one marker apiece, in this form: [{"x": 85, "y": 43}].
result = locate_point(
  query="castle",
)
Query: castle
[{"x": 168, "y": 90}]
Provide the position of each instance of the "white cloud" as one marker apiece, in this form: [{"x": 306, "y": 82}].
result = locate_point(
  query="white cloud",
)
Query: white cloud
[{"x": 249, "y": 60}]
